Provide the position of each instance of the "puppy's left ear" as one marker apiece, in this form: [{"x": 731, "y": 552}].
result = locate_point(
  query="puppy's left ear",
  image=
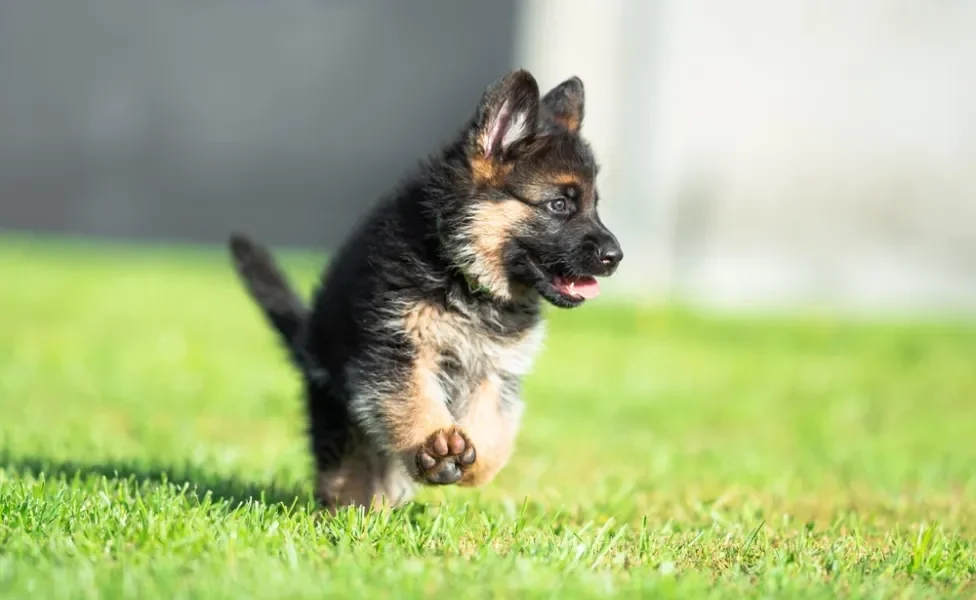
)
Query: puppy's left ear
[
  {"x": 508, "y": 114},
  {"x": 563, "y": 105}
]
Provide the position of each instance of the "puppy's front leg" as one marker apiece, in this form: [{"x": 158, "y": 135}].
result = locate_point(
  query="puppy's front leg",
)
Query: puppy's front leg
[
  {"x": 414, "y": 418},
  {"x": 491, "y": 417}
]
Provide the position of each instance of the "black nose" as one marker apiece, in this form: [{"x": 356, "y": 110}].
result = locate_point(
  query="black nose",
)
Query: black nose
[
  {"x": 610, "y": 254},
  {"x": 606, "y": 249}
]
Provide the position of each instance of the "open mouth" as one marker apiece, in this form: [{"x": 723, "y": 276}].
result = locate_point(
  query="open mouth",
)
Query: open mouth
[
  {"x": 561, "y": 288},
  {"x": 576, "y": 288}
]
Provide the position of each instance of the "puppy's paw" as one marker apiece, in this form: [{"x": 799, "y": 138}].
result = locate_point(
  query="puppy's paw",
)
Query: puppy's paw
[{"x": 445, "y": 456}]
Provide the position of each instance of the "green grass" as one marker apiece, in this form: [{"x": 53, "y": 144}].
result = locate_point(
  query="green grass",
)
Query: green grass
[{"x": 151, "y": 446}]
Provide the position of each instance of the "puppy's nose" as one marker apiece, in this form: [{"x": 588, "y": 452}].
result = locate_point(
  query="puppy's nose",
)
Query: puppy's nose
[{"x": 610, "y": 254}]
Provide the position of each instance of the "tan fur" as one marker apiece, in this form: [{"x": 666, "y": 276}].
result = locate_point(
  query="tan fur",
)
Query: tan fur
[
  {"x": 363, "y": 479},
  {"x": 491, "y": 431},
  {"x": 439, "y": 331},
  {"x": 491, "y": 227},
  {"x": 570, "y": 178},
  {"x": 420, "y": 409},
  {"x": 488, "y": 172},
  {"x": 489, "y": 424},
  {"x": 420, "y": 322},
  {"x": 570, "y": 121}
]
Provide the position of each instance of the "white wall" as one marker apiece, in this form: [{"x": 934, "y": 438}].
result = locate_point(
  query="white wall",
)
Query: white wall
[{"x": 782, "y": 153}]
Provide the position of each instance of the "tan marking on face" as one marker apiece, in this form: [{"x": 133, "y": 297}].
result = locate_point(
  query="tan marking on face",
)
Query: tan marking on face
[
  {"x": 488, "y": 171},
  {"x": 492, "y": 432},
  {"x": 491, "y": 227},
  {"x": 570, "y": 178}
]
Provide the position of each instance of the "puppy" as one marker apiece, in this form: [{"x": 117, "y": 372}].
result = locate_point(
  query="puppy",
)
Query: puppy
[{"x": 429, "y": 315}]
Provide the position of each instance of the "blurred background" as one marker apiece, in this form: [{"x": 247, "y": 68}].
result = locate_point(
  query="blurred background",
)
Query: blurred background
[{"x": 755, "y": 154}]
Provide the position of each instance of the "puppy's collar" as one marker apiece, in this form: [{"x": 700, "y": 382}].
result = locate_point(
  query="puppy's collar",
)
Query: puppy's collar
[{"x": 473, "y": 286}]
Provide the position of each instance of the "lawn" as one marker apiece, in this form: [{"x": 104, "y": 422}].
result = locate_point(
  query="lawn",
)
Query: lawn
[{"x": 151, "y": 446}]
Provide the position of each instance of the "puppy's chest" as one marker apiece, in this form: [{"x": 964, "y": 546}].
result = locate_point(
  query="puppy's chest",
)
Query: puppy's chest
[{"x": 468, "y": 355}]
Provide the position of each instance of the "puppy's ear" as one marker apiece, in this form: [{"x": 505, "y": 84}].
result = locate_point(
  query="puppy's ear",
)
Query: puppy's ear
[
  {"x": 563, "y": 105},
  {"x": 508, "y": 114}
]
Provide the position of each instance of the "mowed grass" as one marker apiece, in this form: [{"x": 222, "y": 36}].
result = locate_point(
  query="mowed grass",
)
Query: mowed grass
[{"x": 151, "y": 446}]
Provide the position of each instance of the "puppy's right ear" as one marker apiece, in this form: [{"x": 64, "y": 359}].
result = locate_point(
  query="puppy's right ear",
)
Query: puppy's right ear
[{"x": 507, "y": 115}]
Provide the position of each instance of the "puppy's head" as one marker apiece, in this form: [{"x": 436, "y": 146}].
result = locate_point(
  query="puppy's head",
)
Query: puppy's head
[{"x": 529, "y": 221}]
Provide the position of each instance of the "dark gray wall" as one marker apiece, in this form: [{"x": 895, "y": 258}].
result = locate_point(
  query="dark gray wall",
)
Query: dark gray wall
[{"x": 185, "y": 119}]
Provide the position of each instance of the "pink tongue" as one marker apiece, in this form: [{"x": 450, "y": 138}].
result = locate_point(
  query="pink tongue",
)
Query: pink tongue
[{"x": 582, "y": 287}]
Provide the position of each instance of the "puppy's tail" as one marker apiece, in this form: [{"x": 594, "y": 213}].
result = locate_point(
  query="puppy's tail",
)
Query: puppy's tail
[{"x": 269, "y": 288}]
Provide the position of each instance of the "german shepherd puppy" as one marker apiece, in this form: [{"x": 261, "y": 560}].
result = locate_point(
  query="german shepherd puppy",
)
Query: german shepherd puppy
[{"x": 429, "y": 315}]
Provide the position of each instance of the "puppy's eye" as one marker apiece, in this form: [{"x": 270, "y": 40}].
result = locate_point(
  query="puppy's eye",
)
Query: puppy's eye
[{"x": 559, "y": 206}]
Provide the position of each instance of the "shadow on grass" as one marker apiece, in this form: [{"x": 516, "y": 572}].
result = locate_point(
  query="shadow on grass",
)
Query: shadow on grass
[{"x": 193, "y": 480}]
